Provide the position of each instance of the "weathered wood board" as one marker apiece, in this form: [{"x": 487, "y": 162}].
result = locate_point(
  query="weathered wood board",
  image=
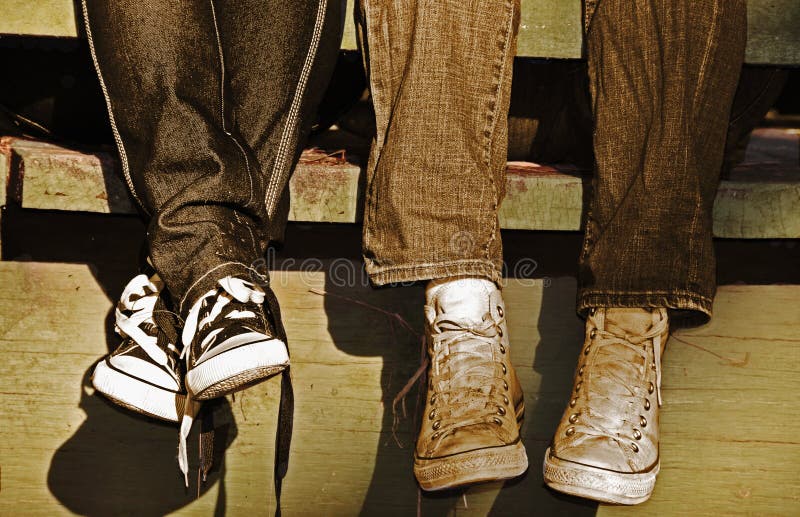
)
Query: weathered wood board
[
  {"x": 548, "y": 28},
  {"x": 761, "y": 199},
  {"x": 729, "y": 442}
]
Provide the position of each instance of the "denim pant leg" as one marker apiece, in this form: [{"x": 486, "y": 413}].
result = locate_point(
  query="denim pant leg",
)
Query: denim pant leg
[
  {"x": 207, "y": 101},
  {"x": 440, "y": 78},
  {"x": 663, "y": 74}
]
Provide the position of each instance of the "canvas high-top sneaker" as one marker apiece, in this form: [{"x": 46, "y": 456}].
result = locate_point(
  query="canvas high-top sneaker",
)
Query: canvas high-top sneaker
[
  {"x": 144, "y": 372},
  {"x": 470, "y": 428},
  {"x": 606, "y": 446},
  {"x": 230, "y": 341}
]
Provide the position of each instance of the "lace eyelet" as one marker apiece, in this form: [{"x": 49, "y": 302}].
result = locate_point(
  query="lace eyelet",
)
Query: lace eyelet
[
  {"x": 500, "y": 331},
  {"x": 502, "y": 349},
  {"x": 505, "y": 385},
  {"x": 634, "y": 447},
  {"x": 505, "y": 370},
  {"x": 586, "y": 350},
  {"x": 573, "y": 402},
  {"x": 570, "y": 431},
  {"x": 642, "y": 421},
  {"x": 573, "y": 418},
  {"x": 651, "y": 388},
  {"x": 497, "y": 421},
  {"x": 500, "y": 311},
  {"x": 433, "y": 398},
  {"x": 432, "y": 414},
  {"x": 593, "y": 334},
  {"x": 637, "y": 434},
  {"x": 436, "y": 425},
  {"x": 435, "y": 435},
  {"x": 505, "y": 399},
  {"x": 501, "y": 410},
  {"x": 647, "y": 404},
  {"x": 593, "y": 311},
  {"x": 578, "y": 386},
  {"x": 580, "y": 372}
]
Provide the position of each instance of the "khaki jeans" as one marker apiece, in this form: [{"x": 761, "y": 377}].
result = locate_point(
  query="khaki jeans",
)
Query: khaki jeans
[{"x": 662, "y": 74}]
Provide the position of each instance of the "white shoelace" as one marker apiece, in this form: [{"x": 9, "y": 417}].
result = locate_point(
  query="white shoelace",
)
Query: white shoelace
[
  {"x": 231, "y": 288},
  {"x": 605, "y": 421},
  {"x": 139, "y": 298},
  {"x": 465, "y": 340}
]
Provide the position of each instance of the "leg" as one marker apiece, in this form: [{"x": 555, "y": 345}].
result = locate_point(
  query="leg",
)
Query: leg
[
  {"x": 663, "y": 74},
  {"x": 208, "y": 105},
  {"x": 227, "y": 106},
  {"x": 436, "y": 174},
  {"x": 435, "y": 180}
]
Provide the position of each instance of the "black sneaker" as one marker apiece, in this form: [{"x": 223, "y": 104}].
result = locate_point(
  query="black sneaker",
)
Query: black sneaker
[
  {"x": 229, "y": 341},
  {"x": 144, "y": 374}
]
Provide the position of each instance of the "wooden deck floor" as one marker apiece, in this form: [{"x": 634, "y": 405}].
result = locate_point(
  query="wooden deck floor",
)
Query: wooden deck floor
[{"x": 730, "y": 421}]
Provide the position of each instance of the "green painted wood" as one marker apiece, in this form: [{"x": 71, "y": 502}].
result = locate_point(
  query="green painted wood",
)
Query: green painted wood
[
  {"x": 55, "y": 18},
  {"x": 773, "y": 34},
  {"x": 729, "y": 420},
  {"x": 761, "y": 199},
  {"x": 548, "y": 28}
]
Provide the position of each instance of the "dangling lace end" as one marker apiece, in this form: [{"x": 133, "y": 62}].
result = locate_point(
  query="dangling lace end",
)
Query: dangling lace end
[
  {"x": 186, "y": 427},
  {"x": 657, "y": 359}
]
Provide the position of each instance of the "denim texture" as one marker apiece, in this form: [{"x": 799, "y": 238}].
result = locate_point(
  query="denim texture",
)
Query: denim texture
[
  {"x": 662, "y": 76},
  {"x": 440, "y": 79},
  {"x": 210, "y": 102}
]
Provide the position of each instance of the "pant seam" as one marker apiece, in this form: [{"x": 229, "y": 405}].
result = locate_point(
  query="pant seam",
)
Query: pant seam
[
  {"x": 493, "y": 222},
  {"x": 393, "y": 271},
  {"x": 692, "y": 272},
  {"x": 281, "y": 156},
  {"x": 225, "y": 129},
  {"x": 123, "y": 155}
]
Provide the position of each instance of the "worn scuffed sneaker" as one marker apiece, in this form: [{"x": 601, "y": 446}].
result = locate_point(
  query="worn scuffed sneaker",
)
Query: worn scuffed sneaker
[
  {"x": 606, "y": 446},
  {"x": 474, "y": 407},
  {"x": 144, "y": 372},
  {"x": 230, "y": 341}
]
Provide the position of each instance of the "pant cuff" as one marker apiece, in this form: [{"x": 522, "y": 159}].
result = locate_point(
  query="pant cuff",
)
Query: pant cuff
[
  {"x": 208, "y": 281},
  {"x": 684, "y": 304},
  {"x": 382, "y": 275}
]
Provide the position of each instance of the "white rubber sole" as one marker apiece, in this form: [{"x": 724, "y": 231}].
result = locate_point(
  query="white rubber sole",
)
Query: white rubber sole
[
  {"x": 137, "y": 395},
  {"x": 490, "y": 464},
  {"x": 599, "y": 484},
  {"x": 236, "y": 369}
]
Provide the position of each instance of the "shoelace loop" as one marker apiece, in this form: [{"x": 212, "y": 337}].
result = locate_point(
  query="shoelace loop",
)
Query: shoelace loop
[
  {"x": 599, "y": 418},
  {"x": 453, "y": 339}
]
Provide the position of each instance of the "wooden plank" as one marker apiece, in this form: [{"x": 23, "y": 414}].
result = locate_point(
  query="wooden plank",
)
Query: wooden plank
[
  {"x": 56, "y": 18},
  {"x": 772, "y": 32},
  {"x": 548, "y": 28},
  {"x": 552, "y": 29},
  {"x": 761, "y": 199},
  {"x": 728, "y": 446}
]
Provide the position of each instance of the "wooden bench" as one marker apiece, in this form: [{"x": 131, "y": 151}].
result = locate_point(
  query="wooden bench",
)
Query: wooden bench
[
  {"x": 548, "y": 28},
  {"x": 761, "y": 199}
]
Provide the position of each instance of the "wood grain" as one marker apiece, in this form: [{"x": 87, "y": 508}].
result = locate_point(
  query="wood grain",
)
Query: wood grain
[{"x": 729, "y": 421}]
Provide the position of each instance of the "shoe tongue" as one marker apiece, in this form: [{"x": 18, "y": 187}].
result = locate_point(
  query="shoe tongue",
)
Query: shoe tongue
[
  {"x": 466, "y": 299},
  {"x": 619, "y": 360},
  {"x": 633, "y": 322}
]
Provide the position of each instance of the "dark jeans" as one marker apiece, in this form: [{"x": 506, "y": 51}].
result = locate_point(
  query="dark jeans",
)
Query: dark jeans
[{"x": 210, "y": 102}]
